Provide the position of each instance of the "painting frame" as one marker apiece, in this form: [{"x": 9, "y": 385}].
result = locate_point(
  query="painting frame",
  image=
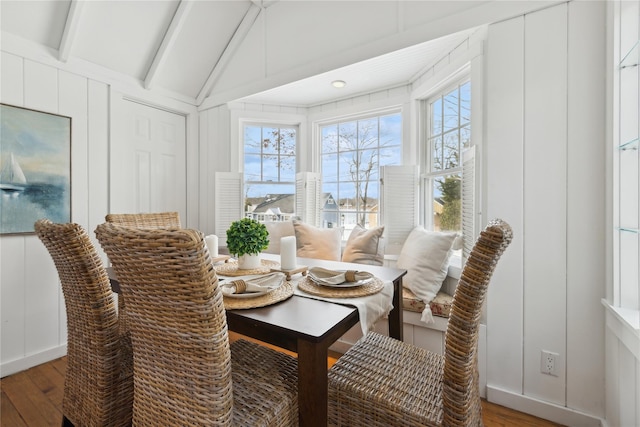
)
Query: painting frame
[{"x": 35, "y": 168}]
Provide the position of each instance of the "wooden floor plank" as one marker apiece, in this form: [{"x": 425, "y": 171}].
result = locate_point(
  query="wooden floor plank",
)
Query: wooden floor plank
[
  {"x": 49, "y": 380},
  {"x": 498, "y": 416},
  {"x": 32, "y": 404},
  {"x": 60, "y": 364},
  {"x": 10, "y": 415}
]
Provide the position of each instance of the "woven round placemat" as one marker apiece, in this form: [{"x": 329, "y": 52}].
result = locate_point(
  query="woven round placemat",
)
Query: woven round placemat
[
  {"x": 231, "y": 268},
  {"x": 309, "y": 286},
  {"x": 283, "y": 292}
]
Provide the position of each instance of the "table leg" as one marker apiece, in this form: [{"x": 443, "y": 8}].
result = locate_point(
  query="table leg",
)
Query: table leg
[
  {"x": 395, "y": 316},
  {"x": 312, "y": 384}
]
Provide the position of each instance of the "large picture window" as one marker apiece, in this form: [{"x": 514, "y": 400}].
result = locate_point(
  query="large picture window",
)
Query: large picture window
[
  {"x": 448, "y": 135},
  {"x": 352, "y": 153},
  {"x": 269, "y": 171}
]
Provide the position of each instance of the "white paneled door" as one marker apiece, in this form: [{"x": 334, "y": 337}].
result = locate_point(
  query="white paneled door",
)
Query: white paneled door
[{"x": 148, "y": 169}]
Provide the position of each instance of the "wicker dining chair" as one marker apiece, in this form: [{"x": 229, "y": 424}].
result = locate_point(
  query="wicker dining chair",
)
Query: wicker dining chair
[
  {"x": 141, "y": 220},
  {"x": 98, "y": 385},
  {"x": 146, "y": 220},
  {"x": 384, "y": 382},
  {"x": 185, "y": 371}
]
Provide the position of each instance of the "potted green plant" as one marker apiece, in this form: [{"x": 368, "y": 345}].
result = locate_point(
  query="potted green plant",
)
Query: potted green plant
[{"x": 246, "y": 238}]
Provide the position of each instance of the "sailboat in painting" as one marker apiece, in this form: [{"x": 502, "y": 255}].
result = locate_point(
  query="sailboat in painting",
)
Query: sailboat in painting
[{"x": 12, "y": 179}]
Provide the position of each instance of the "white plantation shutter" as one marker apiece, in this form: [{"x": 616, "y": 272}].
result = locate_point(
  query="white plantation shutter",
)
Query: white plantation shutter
[
  {"x": 400, "y": 198},
  {"x": 308, "y": 202},
  {"x": 468, "y": 200},
  {"x": 229, "y": 205}
]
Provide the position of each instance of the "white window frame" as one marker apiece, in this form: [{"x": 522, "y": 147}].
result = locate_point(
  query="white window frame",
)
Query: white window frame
[
  {"x": 428, "y": 174},
  {"x": 271, "y": 125},
  {"x": 623, "y": 297},
  {"x": 264, "y": 124},
  {"x": 362, "y": 116}
]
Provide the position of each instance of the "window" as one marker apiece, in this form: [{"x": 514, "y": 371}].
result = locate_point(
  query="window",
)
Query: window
[
  {"x": 626, "y": 163},
  {"x": 448, "y": 134},
  {"x": 352, "y": 153},
  {"x": 269, "y": 171}
]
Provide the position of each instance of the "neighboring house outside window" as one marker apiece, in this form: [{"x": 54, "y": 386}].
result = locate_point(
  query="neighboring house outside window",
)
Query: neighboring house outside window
[
  {"x": 448, "y": 134},
  {"x": 352, "y": 152},
  {"x": 269, "y": 171}
]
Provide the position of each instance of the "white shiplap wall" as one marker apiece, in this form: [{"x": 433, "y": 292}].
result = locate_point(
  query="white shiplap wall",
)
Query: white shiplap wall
[
  {"x": 545, "y": 176},
  {"x": 32, "y": 312}
]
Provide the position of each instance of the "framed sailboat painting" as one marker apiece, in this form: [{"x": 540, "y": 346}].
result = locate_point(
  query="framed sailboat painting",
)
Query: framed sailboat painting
[{"x": 35, "y": 174}]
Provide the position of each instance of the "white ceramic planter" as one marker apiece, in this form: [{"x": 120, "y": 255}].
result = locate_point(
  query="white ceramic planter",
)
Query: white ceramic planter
[{"x": 249, "y": 262}]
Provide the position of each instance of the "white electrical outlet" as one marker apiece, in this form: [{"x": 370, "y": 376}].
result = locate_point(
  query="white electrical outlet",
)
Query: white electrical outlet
[{"x": 548, "y": 362}]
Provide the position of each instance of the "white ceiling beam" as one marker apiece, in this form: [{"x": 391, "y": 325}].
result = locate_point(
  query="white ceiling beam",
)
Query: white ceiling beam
[
  {"x": 168, "y": 40},
  {"x": 233, "y": 45},
  {"x": 70, "y": 29}
]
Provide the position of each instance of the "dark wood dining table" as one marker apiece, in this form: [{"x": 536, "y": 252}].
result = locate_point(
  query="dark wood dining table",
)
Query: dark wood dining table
[{"x": 309, "y": 327}]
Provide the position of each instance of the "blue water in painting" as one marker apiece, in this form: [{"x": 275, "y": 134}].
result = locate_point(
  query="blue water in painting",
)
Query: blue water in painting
[{"x": 19, "y": 210}]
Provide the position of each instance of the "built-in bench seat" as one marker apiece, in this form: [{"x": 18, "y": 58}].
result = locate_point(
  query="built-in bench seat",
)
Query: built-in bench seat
[{"x": 440, "y": 305}]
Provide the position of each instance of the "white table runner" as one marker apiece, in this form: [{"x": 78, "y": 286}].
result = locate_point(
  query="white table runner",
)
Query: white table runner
[{"x": 370, "y": 307}]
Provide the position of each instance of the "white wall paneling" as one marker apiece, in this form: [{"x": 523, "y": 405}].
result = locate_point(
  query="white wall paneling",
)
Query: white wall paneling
[
  {"x": 40, "y": 87},
  {"x": 628, "y": 391},
  {"x": 585, "y": 191},
  {"x": 33, "y": 317},
  {"x": 13, "y": 301},
  {"x": 545, "y": 212},
  {"x": 207, "y": 173},
  {"x": 74, "y": 105},
  {"x": 216, "y": 148},
  {"x": 12, "y": 69},
  {"x": 612, "y": 387},
  {"x": 504, "y": 198},
  {"x": 97, "y": 154},
  {"x": 544, "y": 170}
]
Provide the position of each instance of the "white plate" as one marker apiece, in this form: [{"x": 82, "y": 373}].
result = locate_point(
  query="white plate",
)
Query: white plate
[
  {"x": 340, "y": 285},
  {"x": 335, "y": 278},
  {"x": 246, "y": 294}
]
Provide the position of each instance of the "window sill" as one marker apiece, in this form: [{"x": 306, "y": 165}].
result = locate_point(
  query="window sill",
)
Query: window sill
[{"x": 625, "y": 324}]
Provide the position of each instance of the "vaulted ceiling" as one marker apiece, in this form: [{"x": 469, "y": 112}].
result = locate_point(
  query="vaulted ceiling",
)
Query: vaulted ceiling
[{"x": 184, "y": 48}]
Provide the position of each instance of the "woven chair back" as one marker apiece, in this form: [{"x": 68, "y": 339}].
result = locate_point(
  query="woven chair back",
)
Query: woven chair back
[
  {"x": 460, "y": 398},
  {"x": 146, "y": 220},
  {"x": 182, "y": 360},
  {"x": 98, "y": 382}
]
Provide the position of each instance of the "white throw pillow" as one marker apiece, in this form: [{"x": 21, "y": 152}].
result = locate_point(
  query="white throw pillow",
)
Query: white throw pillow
[
  {"x": 319, "y": 243},
  {"x": 277, "y": 230},
  {"x": 364, "y": 246},
  {"x": 425, "y": 255}
]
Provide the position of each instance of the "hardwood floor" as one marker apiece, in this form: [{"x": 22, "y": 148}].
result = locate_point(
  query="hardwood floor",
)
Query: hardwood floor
[{"x": 33, "y": 398}]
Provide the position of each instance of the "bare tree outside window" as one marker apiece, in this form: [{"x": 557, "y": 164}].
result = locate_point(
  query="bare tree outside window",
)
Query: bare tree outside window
[
  {"x": 352, "y": 153},
  {"x": 269, "y": 170}
]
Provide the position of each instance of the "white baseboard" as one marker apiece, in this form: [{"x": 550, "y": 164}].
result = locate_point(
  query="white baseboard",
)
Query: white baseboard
[
  {"x": 32, "y": 360},
  {"x": 541, "y": 409}
]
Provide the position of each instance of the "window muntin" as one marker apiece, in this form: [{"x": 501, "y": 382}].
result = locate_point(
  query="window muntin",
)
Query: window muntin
[
  {"x": 351, "y": 156},
  {"x": 269, "y": 171},
  {"x": 448, "y": 134}
]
